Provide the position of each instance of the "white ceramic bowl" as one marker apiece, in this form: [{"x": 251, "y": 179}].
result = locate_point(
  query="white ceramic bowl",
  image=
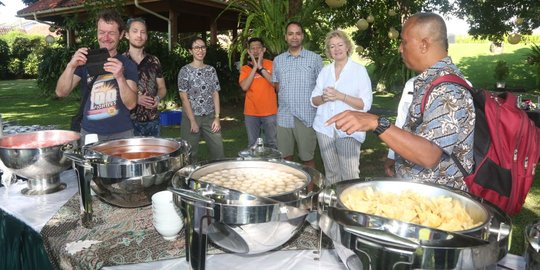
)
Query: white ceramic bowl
[{"x": 169, "y": 231}]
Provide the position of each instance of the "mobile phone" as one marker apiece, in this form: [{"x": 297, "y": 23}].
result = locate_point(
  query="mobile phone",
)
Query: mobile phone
[{"x": 95, "y": 59}]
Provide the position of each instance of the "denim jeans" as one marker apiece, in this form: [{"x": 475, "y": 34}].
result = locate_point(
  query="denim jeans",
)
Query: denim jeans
[
  {"x": 150, "y": 128},
  {"x": 256, "y": 125}
]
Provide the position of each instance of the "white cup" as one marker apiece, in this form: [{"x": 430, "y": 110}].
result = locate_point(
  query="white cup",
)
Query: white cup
[{"x": 165, "y": 217}]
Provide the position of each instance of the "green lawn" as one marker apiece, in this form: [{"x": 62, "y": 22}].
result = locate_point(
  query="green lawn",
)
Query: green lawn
[
  {"x": 22, "y": 103},
  {"x": 478, "y": 63}
]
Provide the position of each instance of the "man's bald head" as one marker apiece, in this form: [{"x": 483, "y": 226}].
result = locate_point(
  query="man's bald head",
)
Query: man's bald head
[
  {"x": 423, "y": 41},
  {"x": 430, "y": 26}
]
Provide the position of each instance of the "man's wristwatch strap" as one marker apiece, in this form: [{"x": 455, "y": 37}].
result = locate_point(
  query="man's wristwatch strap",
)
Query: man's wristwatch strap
[{"x": 383, "y": 125}]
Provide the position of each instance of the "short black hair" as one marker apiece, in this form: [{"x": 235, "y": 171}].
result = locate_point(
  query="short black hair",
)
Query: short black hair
[
  {"x": 192, "y": 40},
  {"x": 297, "y": 23},
  {"x": 255, "y": 39}
]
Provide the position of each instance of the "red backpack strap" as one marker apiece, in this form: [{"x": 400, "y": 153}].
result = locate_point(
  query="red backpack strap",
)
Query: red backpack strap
[{"x": 448, "y": 78}]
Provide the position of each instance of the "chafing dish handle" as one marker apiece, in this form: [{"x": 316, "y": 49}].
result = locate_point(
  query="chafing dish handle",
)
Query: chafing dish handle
[
  {"x": 367, "y": 239},
  {"x": 192, "y": 196},
  {"x": 381, "y": 237}
]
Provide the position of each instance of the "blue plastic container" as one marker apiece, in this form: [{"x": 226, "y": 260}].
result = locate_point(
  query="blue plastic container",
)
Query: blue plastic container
[{"x": 170, "y": 118}]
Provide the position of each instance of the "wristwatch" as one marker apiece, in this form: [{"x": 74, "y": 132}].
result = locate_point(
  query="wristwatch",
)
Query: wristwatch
[{"x": 383, "y": 125}]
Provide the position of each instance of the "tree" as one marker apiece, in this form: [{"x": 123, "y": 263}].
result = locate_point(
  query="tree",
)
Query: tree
[
  {"x": 488, "y": 19},
  {"x": 29, "y": 2},
  {"x": 494, "y": 19},
  {"x": 376, "y": 27}
]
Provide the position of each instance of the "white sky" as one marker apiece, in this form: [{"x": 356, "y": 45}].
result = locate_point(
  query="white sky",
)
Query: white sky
[{"x": 9, "y": 10}]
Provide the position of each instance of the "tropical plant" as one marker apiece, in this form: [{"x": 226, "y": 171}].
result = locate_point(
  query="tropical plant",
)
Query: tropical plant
[{"x": 267, "y": 19}]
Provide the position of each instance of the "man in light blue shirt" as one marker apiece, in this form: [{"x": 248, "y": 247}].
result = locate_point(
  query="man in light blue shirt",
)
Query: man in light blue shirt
[{"x": 294, "y": 76}]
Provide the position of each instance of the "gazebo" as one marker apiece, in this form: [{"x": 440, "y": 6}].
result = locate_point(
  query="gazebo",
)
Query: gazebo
[{"x": 171, "y": 16}]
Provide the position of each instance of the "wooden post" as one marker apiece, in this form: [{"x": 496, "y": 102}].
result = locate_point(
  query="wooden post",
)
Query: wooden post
[
  {"x": 213, "y": 33},
  {"x": 173, "y": 31}
]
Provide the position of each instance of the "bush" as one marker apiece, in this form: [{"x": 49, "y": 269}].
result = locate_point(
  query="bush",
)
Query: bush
[
  {"x": 31, "y": 65},
  {"x": 16, "y": 68},
  {"x": 21, "y": 57},
  {"x": 21, "y": 48},
  {"x": 231, "y": 92},
  {"x": 52, "y": 65},
  {"x": 4, "y": 60}
]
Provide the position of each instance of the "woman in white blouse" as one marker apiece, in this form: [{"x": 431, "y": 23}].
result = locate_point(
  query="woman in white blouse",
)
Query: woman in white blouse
[{"x": 342, "y": 85}]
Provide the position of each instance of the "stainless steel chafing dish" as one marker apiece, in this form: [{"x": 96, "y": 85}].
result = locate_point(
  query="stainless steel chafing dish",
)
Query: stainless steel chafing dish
[
  {"x": 38, "y": 156},
  {"x": 532, "y": 245},
  {"x": 367, "y": 241},
  {"x": 127, "y": 172},
  {"x": 238, "y": 221}
]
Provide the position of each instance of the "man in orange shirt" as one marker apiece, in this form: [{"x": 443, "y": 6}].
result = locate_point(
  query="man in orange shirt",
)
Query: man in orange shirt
[{"x": 260, "y": 107}]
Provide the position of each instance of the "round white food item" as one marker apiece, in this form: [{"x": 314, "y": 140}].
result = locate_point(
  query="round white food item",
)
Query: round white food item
[{"x": 258, "y": 181}]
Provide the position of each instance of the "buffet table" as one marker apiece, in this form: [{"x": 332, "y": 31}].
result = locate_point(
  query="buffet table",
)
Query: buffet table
[{"x": 124, "y": 238}]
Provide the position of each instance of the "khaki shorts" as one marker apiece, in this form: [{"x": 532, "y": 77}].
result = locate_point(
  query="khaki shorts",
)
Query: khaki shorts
[{"x": 303, "y": 136}]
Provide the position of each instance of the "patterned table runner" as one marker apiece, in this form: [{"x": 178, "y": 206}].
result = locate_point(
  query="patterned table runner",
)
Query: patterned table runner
[{"x": 125, "y": 236}]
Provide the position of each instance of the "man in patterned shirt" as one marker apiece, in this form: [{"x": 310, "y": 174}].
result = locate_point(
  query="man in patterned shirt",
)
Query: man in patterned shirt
[
  {"x": 294, "y": 75},
  {"x": 151, "y": 85},
  {"x": 425, "y": 144}
]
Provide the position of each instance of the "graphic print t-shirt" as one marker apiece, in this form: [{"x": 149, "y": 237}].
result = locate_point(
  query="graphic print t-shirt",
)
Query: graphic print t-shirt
[
  {"x": 103, "y": 98},
  {"x": 105, "y": 113}
]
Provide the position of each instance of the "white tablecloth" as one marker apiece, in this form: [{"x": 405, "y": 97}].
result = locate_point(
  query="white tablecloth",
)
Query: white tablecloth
[
  {"x": 36, "y": 210},
  {"x": 278, "y": 260}
]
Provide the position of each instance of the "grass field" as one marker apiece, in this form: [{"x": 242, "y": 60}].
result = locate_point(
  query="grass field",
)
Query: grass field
[
  {"x": 477, "y": 63},
  {"x": 21, "y": 103}
]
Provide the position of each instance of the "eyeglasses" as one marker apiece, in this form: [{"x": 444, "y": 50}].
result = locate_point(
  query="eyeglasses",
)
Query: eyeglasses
[{"x": 199, "y": 48}]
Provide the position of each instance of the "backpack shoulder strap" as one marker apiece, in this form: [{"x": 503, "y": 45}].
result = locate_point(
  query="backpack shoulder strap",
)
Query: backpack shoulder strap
[{"x": 448, "y": 78}]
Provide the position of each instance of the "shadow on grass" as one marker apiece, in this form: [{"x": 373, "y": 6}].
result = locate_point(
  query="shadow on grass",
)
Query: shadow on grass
[{"x": 480, "y": 69}]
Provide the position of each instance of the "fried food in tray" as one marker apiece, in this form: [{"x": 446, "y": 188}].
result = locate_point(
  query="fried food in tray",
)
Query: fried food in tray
[{"x": 440, "y": 212}]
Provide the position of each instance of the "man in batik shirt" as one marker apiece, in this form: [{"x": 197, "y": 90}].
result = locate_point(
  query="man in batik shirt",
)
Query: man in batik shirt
[{"x": 151, "y": 85}]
